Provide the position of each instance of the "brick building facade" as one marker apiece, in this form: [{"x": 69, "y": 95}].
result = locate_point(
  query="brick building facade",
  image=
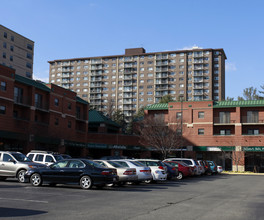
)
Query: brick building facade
[
  {"x": 35, "y": 115},
  {"x": 231, "y": 133}
]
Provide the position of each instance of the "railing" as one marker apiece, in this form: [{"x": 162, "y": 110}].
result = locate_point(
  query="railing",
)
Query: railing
[
  {"x": 219, "y": 120},
  {"x": 252, "y": 120},
  {"x": 22, "y": 100},
  {"x": 42, "y": 106}
]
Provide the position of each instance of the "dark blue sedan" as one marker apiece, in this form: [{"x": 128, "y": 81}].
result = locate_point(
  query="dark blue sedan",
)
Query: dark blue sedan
[{"x": 82, "y": 171}]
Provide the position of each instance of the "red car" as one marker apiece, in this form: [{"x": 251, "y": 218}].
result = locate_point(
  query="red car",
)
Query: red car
[{"x": 184, "y": 169}]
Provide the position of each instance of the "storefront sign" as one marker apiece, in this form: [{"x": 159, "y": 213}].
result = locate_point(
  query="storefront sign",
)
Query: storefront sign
[
  {"x": 261, "y": 149},
  {"x": 220, "y": 148}
]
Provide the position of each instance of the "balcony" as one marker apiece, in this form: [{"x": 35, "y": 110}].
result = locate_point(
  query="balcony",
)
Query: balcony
[
  {"x": 94, "y": 79},
  {"x": 223, "y": 121},
  {"x": 158, "y": 87},
  {"x": 161, "y": 82},
  {"x": 252, "y": 120},
  {"x": 163, "y": 63},
  {"x": 42, "y": 106},
  {"x": 162, "y": 57},
  {"x": 21, "y": 100},
  {"x": 158, "y": 75},
  {"x": 96, "y": 67},
  {"x": 162, "y": 69}
]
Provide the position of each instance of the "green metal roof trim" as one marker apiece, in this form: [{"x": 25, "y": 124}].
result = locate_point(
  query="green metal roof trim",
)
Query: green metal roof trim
[
  {"x": 97, "y": 117},
  {"x": 158, "y": 106},
  {"x": 31, "y": 82},
  {"x": 247, "y": 103},
  {"x": 78, "y": 99}
]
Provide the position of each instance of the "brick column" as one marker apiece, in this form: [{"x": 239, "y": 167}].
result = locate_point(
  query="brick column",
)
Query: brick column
[{"x": 238, "y": 159}]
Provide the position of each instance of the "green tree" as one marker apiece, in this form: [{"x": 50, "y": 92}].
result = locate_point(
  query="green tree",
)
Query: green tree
[
  {"x": 250, "y": 93},
  {"x": 119, "y": 118},
  {"x": 229, "y": 98},
  {"x": 166, "y": 99}
]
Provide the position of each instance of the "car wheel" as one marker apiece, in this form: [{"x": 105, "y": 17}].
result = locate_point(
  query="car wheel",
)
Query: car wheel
[
  {"x": 180, "y": 176},
  {"x": 36, "y": 179},
  {"x": 86, "y": 182},
  {"x": 21, "y": 176}
]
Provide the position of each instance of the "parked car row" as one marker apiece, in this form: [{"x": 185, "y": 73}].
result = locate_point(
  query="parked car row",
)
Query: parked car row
[{"x": 53, "y": 169}]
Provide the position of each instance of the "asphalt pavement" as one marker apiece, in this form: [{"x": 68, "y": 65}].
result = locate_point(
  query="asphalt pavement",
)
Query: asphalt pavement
[{"x": 214, "y": 197}]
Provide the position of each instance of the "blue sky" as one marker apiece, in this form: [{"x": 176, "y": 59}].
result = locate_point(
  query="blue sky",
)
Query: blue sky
[{"x": 83, "y": 28}]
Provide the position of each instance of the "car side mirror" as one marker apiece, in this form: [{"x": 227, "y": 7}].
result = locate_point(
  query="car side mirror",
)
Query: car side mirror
[{"x": 11, "y": 160}]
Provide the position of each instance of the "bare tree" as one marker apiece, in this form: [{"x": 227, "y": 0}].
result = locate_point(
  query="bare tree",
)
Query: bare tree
[
  {"x": 110, "y": 107},
  {"x": 236, "y": 156},
  {"x": 155, "y": 132}
]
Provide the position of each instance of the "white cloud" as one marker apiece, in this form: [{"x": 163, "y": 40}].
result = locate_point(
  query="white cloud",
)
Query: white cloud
[
  {"x": 190, "y": 47},
  {"x": 230, "y": 67},
  {"x": 44, "y": 77}
]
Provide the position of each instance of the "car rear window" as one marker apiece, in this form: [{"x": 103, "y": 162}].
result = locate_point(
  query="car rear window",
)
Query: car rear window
[
  {"x": 188, "y": 162},
  {"x": 114, "y": 164},
  {"x": 124, "y": 164},
  {"x": 138, "y": 164}
]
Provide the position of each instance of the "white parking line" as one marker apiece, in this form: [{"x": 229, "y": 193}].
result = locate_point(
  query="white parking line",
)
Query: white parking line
[{"x": 25, "y": 200}]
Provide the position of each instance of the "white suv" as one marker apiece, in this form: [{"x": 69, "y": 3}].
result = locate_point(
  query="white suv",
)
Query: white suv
[{"x": 44, "y": 157}]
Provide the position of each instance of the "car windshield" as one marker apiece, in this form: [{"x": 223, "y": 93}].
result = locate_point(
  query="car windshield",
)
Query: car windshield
[
  {"x": 21, "y": 157},
  {"x": 196, "y": 162},
  {"x": 58, "y": 157},
  {"x": 94, "y": 164},
  {"x": 114, "y": 164}
]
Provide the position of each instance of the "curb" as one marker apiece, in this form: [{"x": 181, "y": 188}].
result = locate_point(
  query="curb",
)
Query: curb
[{"x": 253, "y": 174}]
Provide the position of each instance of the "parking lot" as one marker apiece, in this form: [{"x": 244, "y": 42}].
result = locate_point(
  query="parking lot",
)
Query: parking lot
[{"x": 205, "y": 197}]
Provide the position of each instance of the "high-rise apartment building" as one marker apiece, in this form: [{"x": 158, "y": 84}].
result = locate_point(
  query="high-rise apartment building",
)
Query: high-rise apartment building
[
  {"x": 136, "y": 79},
  {"x": 16, "y": 51}
]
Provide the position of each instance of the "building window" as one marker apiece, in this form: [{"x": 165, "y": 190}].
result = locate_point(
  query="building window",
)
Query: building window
[
  {"x": 18, "y": 95},
  {"x": 29, "y": 56},
  {"x": 252, "y": 117},
  {"x": 69, "y": 106},
  {"x": 2, "y": 109},
  {"x": 69, "y": 124},
  {"x": 56, "y": 102},
  {"x": 56, "y": 121},
  {"x": 29, "y": 65},
  {"x": 200, "y": 114},
  {"x": 253, "y": 131},
  {"x": 11, "y": 58},
  {"x": 12, "y": 48},
  {"x": 4, "y": 45},
  {"x": 38, "y": 100},
  {"x": 3, "y": 86},
  {"x": 200, "y": 131},
  {"x": 224, "y": 117},
  {"x": 12, "y": 38},
  {"x": 225, "y": 132},
  {"x": 5, "y": 35},
  {"x": 29, "y": 46},
  {"x": 4, "y": 54},
  {"x": 178, "y": 115}
]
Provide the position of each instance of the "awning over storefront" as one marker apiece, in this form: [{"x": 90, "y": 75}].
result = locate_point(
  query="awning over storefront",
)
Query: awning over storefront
[
  {"x": 219, "y": 148},
  {"x": 13, "y": 135},
  {"x": 253, "y": 149}
]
